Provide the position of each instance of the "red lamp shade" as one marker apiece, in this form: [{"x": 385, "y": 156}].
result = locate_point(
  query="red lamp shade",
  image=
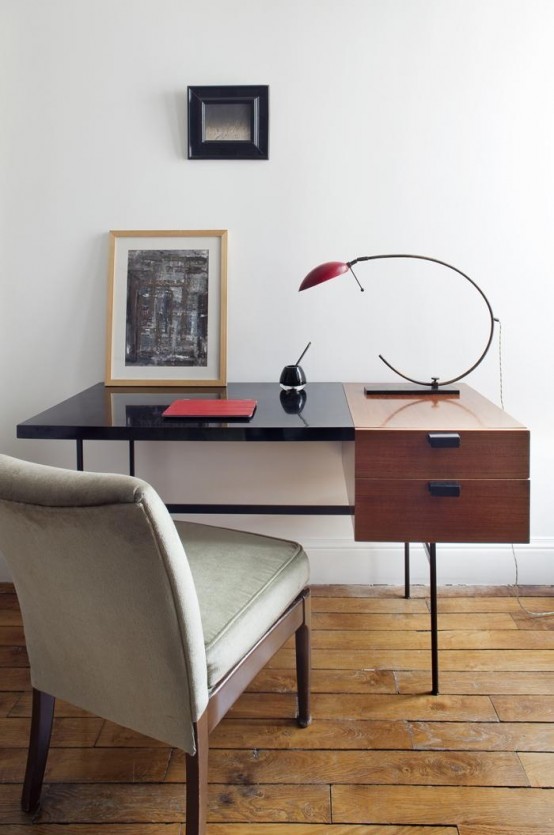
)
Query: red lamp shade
[{"x": 331, "y": 269}]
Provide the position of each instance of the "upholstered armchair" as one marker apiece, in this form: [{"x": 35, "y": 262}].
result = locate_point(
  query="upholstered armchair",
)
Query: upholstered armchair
[{"x": 153, "y": 624}]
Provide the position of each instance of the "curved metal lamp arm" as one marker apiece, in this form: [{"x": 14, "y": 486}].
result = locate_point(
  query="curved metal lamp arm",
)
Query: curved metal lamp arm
[{"x": 435, "y": 380}]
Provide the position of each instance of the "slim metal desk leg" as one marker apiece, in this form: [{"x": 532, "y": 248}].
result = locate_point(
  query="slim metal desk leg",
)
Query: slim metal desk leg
[
  {"x": 80, "y": 457},
  {"x": 131, "y": 457},
  {"x": 406, "y": 570},
  {"x": 434, "y": 619}
]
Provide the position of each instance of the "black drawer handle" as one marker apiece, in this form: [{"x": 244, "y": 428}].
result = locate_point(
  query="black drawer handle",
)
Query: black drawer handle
[
  {"x": 445, "y": 488},
  {"x": 443, "y": 439}
]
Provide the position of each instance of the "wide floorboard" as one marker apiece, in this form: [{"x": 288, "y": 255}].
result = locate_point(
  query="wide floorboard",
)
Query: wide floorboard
[{"x": 382, "y": 757}]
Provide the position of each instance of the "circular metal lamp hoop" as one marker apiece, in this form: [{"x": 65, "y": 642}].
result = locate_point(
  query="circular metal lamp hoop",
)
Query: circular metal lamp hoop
[{"x": 334, "y": 268}]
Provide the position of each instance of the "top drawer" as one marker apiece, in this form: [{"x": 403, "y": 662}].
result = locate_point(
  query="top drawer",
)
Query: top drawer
[{"x": 420, "y": 454}]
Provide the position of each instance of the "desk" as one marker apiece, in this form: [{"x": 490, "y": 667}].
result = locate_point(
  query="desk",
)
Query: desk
[{"x": 424, "y": 469}]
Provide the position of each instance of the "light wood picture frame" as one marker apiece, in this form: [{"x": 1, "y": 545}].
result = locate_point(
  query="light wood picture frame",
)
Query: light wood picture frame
[{"x": 167, "y": 308}]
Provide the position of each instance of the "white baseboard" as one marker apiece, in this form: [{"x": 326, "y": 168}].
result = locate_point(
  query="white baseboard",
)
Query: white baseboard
[
  {"x": 383, "y": 563},
  {"x": 345, "y": 561}
]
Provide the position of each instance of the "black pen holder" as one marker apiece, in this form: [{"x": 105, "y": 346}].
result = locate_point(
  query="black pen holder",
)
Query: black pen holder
[{"x": 292, "y": 378}]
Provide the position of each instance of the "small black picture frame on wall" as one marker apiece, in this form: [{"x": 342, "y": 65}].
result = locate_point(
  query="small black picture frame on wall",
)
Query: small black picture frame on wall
[{"x": 228, "y": 122}]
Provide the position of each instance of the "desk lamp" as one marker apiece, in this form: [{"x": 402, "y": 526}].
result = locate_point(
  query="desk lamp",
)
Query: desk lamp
[{"x": 332, "y": 269}]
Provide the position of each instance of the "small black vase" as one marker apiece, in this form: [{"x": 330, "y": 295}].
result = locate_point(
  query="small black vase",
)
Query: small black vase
[{"x": 292, "y": 378}]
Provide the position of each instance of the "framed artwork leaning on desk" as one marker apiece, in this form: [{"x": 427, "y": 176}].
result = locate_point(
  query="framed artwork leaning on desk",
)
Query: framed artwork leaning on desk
[{"x": 167, "y": 308}]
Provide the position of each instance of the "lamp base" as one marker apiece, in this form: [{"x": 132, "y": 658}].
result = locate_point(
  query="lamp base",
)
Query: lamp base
[{"x": 408, "y": 389}]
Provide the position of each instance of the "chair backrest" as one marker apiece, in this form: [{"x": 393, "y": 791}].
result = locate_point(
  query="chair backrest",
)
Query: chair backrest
[{"x": 111, "y": 617}]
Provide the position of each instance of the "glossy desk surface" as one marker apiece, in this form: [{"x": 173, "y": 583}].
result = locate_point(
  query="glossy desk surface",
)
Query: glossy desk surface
[{"x": 320, "y": 413}]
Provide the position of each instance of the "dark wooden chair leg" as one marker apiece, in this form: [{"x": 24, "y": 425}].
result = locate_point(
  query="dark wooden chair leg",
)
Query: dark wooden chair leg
[
  {"x": 39, "y": 742},
  {"x": 303, "y": 665},
  {"x": 197, "y": 780}
]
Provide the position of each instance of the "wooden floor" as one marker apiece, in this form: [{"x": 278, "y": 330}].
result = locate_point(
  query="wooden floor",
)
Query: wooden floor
[{"x": 382, "y": 757}]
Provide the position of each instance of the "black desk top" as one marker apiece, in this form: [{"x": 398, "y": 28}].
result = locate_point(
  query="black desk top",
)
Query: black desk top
[{"x": 320, "y": 413}]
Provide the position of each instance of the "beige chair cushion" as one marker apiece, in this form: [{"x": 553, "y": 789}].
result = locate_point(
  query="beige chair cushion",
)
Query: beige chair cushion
[{"x": 244, "y": 581}]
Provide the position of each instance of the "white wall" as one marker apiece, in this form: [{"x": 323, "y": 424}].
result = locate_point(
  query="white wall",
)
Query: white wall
[{"x": 419, "y": 126}]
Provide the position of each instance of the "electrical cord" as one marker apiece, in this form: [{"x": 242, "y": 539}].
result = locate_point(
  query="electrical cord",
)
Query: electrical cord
[
  {"x": 515, "y": 585},
  {"x": 518, "y": 595},
  {"x": 500, "y": 370}
]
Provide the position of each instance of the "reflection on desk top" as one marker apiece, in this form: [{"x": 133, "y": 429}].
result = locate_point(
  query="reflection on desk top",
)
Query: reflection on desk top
[
  {"x": 466, "y": 411},
  {"x": 319, "y": 413}
]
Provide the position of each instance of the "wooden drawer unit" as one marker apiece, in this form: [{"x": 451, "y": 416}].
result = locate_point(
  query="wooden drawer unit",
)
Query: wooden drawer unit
[{"x": 438, "y": 469}]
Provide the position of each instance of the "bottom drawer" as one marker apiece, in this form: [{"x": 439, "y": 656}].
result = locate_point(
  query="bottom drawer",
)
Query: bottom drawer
[{"x": 398, "y": 510}]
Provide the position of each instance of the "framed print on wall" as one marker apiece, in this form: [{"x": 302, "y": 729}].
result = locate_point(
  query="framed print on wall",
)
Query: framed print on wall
[
  {"x": 167, "y": 308},
  {"x": 228, "y": 122}
]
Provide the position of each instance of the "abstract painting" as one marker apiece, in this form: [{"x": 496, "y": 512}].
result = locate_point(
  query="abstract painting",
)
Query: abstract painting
[
  {"x": 167, "y": 307},
  {"x": 167, "y": 313}
]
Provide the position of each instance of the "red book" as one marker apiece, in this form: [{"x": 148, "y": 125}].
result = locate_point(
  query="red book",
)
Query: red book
[{"x": 212, "y": 409}]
